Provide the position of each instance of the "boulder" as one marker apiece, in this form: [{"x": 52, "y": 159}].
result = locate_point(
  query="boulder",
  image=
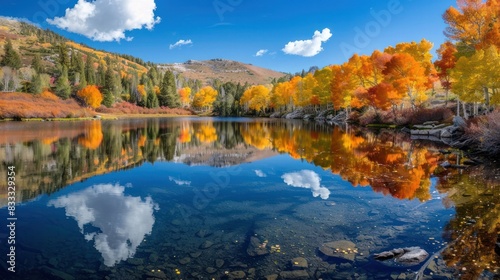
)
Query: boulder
[
  {"x": 299, "y": 263},
  {"x": 459, "y": 122},
  {"x": 256, "y": 248},
  {"x": 406, "y": 256},
  {"x": 297, "y": 114},
  {"x": 342, "y": 249},
  {"x": 237, "y": 275},
  {"x": 275, "y": 115}
]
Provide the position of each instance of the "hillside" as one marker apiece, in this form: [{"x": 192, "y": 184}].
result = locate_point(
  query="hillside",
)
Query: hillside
[
  {"x": 30, "y": 40},
  {"x": 223, "y": 70}
]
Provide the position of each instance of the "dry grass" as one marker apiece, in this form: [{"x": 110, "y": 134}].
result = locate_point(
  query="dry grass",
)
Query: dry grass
[
  {"x": 406, "y": 116},
  {"x": 485, "y": 133},
  {"x": 23, "y": 105}
]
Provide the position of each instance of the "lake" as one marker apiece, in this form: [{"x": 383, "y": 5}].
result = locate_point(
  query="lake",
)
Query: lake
[{"x": 235, "y": 198}]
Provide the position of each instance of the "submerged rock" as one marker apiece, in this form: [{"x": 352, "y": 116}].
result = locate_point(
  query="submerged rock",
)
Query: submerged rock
[
  {"x": 237, "y": 275},
  {"x": 296, "y": 274},
  {"x": 56, "y": 274},
  {"x": 207, "y": 244},
  {"x": 342, "y": 249},
  {"x": 256, "y": 248},
  {"x": 299, "y": 263},
  {"x": 406, "y": 256}
]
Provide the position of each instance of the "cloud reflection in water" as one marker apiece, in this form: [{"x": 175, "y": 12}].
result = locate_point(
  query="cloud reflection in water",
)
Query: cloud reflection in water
[
  {"x": 121, "y": 221},
  {"x": 307, "y": 179}
]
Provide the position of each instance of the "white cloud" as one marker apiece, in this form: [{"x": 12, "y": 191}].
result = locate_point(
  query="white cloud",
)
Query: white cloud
[
  {"x": 179, "y": 182},
  {"x": 119, "y": 222},
  {"x": 181, "y": 43},
  {"x": 260, "y": 173},
  {"x": 261, "y": 52},
  {"x": 308, "y": 48},
  {"x": 108, "y": 20},
  {"x": 307, "y": 179}
]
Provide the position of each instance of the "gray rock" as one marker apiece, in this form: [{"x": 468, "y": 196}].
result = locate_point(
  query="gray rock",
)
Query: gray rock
[
  {"x": 299, "y": 263},
  {"x": 210, "y": 270},
  {"x": 202, "y": 233},
  {"x": 459, "y": 122},
  {"x": 195, "y": 254},
  {"x": 297, "y": 114},
  {"x": 219, "y": 263},
  {"x": 296, "y": 274},
  {"x": 256, "y": 248},
  {"x": 185, "y": 260},
  {"x": 237, "y": 275},
  {"x": 407, "y": 256},
  {"x": 445, "y": 133},
  {"x": 207, "y": 244},
  {"x": 271, "y": 277},
  {"x": 342, "y": 249}
]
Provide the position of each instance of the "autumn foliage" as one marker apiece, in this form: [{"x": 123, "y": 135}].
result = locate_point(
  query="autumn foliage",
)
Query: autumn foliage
[{"x": 91, "y": 95}]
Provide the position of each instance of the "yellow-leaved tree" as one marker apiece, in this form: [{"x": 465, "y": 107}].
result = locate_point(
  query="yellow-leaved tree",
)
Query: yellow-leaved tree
[
  {"x": 256, "y": 98},
  {"x": 204, "y": 99}
]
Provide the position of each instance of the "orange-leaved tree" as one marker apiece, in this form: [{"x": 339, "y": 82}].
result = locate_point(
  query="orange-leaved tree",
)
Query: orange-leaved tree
[
  {"x": 91, "y": 95},
  {"x": 474, "y": 24},
  {"x": 408, "y": 78},
  {"x": 185, "y": 95},
  {"x": 446, "y": 61}
]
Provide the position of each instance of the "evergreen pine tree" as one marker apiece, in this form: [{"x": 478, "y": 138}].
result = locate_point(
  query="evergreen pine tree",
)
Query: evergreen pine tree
[
  {"x": 152, "y": 99},
  {"x": 89, "y": 71},
  {"x": 64, "y": 59},
  {"x": 168, "y": 92},
  {"x": 36, "y": 84},
  {"x": 36, "y": 64},
  {"x": 108, "y": 98},
  {"x": 63, "y": 88},
  {"x": 10, "y": 58}
]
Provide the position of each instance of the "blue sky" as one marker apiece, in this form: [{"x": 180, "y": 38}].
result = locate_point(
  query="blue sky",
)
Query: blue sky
[{"x": 283, "y": 31}]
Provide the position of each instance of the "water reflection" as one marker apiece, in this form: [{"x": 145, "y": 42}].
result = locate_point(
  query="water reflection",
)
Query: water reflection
[
  {"x": 115, "y": 222},
  {"x": 307, "y": 179},
  {"x": 476, "y": 226},
  {"x": 389, "y": 163}
]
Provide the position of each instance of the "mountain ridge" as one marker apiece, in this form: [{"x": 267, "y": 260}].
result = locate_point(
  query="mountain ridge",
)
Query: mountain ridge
[{"x": 206, "y": 71}]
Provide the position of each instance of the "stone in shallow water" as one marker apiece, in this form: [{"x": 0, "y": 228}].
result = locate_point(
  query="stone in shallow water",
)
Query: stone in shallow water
[
  {"x": 296, "y": 274},
  {"x": 210, "y": 270},
  {"x": 219, "y": 263},
  {"x": 207, "y": 244},
  {"x": 195, "y": 254},
  {"x": 185, "y": 260},
  {"x": 406, "y": 256},
  {"x": 271, "y": 277},
  {"x": 299, "y": 263},
  {"x": 255, "y": 248},
  {"x": 342, "y": 249},
  {"x": 237, "y": 275}
]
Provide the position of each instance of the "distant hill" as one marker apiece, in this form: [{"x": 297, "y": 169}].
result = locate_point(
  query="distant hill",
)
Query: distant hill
[
  {"x": 30, "y": 40},
  {"x": 224, "y": 70}
]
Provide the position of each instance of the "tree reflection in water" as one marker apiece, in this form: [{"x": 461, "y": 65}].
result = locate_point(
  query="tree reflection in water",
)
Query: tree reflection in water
[{"x": 48, "y": 157}]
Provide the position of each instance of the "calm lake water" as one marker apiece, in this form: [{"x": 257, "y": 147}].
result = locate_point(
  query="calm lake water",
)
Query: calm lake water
[{"x": 202, "y": 198}]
